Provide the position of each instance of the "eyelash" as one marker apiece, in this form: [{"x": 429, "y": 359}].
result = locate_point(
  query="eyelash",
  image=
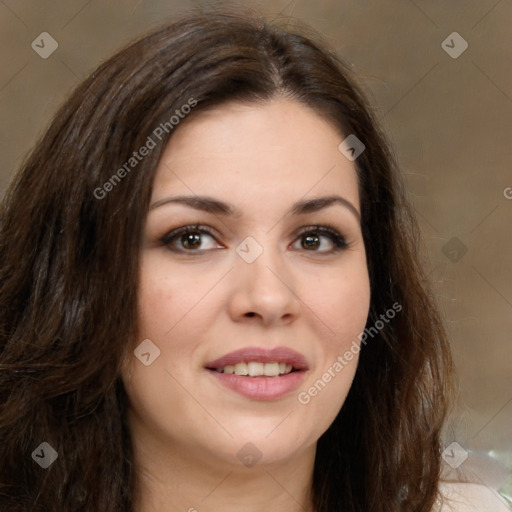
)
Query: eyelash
[{"x": 327, "y": 230}]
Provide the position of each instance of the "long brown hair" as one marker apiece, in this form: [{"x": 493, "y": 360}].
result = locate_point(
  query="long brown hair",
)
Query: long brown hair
[{"x": 69, "y": 259}]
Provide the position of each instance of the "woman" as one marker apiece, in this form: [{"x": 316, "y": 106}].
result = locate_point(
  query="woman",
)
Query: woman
[{"x": 211, "y": 296}]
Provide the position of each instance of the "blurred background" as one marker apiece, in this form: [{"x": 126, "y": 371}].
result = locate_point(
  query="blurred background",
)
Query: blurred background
[{"x": 439, "y": 77}]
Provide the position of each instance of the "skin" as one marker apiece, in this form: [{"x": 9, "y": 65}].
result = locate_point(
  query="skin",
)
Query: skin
[{"x": 187, "y": 428}]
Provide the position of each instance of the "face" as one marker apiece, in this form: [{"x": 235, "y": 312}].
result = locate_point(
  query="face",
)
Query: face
[{"x": 266, "y": 281}]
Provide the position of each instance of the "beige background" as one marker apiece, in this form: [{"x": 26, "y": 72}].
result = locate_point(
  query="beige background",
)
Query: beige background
[{"x": 449, "y": 120}]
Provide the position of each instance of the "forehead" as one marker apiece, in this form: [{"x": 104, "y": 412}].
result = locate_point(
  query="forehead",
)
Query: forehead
[{"x": 272, "y": 149}]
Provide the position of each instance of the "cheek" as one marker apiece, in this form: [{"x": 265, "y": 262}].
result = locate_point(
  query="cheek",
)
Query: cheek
[
  {"x": 168, "y": 302},
  {"x": 166, "y": 299},
  {"x": 341, "y": 303}
]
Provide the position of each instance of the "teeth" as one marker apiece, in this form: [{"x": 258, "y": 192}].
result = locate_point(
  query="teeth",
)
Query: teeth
[
  {"x": 256, "y": 369},
  {"x": 241, "y": 369}
]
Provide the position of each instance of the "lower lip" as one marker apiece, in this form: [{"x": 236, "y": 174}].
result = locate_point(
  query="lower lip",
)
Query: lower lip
[{"x": 261, "y": 388}]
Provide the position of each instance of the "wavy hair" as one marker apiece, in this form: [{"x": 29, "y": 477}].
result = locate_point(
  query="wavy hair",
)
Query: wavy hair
[{"x": 69, "y": 263}]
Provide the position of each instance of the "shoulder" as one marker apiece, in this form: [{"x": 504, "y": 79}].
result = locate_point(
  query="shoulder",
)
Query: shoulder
[{"x": 469, "y": 497}]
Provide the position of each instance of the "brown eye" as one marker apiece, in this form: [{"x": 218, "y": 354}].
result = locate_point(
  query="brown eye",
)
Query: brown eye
[
  {"x": 312, "y": 237},
  {"x": 311, "y": 242},
  {"x": 190, "y": 239}
]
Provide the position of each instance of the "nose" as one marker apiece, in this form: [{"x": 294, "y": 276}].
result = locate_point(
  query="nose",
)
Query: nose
[{"x": 264, "y": 289}]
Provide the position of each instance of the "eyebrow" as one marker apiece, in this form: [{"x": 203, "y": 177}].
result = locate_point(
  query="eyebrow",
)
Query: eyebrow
[{"x": 216, "y": 207}]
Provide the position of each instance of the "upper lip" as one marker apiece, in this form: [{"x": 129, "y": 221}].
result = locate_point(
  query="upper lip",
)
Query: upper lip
[{"x": 261, "y": 355}]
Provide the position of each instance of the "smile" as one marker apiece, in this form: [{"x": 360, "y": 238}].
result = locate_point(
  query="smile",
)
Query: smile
[
  {"x": 257, "y": 369},
  {"x": 260, "y": 374}
]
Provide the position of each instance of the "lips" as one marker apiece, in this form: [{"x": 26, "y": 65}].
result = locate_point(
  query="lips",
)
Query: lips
[
  {"x": 258, "y": 355},
  {"x": 258, "y": 386}
]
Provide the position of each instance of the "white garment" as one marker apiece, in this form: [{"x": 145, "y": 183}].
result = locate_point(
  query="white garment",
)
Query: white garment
[{"x": 469, "y": 497}]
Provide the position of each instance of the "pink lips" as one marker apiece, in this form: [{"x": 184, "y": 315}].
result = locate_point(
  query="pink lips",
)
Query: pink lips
[{"x": 261, "y": 388}]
